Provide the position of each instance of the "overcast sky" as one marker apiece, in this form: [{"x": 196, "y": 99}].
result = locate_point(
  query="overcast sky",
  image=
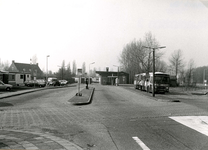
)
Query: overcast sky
[{"x": 97, "y": 30}]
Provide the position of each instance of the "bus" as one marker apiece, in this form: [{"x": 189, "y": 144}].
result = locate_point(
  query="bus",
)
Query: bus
[
  {"x": 162, "y": 82},
  {"x": 136, "y": 81},
  {"x": 140, "y": 81},
  {"x": 144, "y": 82}
]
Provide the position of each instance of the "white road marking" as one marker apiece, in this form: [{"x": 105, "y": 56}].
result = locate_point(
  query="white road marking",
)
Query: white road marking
[
  {"x": 143, "y": 146},
  {"x": 198, "y": 123}
]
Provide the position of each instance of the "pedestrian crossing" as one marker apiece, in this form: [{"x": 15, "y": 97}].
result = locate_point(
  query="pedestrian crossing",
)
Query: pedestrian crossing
[{"x": 197, "y": 123}]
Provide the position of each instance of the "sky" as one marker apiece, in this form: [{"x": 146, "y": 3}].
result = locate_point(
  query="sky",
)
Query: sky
[{"x": 97, "y": 30}]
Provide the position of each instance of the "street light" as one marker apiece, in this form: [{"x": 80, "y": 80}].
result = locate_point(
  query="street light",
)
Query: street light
[
  {"x": 117, "y": 74},
  {"x": 153, "y": 68},
  {"x": 47, "y": 67},
  {"x": 89, "y": 71},
  {"x": 204, "y": 78}
]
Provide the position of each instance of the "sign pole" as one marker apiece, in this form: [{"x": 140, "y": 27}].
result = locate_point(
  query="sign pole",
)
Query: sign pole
[{"x": 79, "y": 81}]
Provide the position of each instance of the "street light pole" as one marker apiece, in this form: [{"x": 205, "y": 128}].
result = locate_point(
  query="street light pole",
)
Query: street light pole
[
  {"x": 89, "y": 72},
  {"x": 47, "y": 67},
  {"x": 153, "y": 67},
  {"x": 153, "y": 72}
]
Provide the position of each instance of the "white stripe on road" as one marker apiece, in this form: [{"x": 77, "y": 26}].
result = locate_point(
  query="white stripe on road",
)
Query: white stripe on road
[
  {"x": 143, "y": 146},
  {"x": 198, "y": 123}
]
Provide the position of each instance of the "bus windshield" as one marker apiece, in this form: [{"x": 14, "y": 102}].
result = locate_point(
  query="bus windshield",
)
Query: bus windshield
[{"x": 162, "y": 79}]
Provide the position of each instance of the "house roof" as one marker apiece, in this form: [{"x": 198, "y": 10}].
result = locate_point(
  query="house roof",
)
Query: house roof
[
  {"x": 4, "y": 72},
  {"x": 26, "y": 68}
]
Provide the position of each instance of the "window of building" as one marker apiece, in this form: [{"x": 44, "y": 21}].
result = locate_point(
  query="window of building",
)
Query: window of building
[
  {"x": 21, "y": 76},
  {"x": 13, "y": 77}
]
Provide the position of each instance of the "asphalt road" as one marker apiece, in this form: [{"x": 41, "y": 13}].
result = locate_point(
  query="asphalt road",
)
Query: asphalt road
[{"x": 119, "y": 118}]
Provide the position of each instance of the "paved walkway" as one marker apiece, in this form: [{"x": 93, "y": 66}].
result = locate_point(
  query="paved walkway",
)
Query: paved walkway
[
  {"x": 13, "y": 139},
  {"x": 26, "y": 139}
]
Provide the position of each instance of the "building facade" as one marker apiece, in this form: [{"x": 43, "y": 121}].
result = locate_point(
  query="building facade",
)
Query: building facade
[
  {"x": 24, "y": 72},
  {"x": 112, "y": 77}
]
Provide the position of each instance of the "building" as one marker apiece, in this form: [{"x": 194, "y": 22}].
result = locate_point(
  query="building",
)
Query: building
[
  {"x": 110, "y": 77},
  {"x": 24, "y": 72},
  {"x": 4, "y": 76}
]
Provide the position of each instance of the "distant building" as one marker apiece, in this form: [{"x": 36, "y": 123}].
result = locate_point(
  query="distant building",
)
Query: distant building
[
  {"x": 25, "y": 72},
  {"x": 109, "y": 77}
]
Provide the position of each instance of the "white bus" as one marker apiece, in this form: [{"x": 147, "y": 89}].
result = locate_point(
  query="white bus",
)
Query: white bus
[
  {"x": 140, "y": 81},
  {"x": 144, "y": 82},
  {"x": 162, "y": 82}
]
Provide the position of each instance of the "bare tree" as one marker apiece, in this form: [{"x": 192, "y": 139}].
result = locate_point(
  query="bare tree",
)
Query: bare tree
[
  {"x": 176, "y": 61},
  {"x": 83, "y": 68},
  {"x": 34, "y": 59},
  {"x": 4, "y": 66},
  {"x": 190, "y": 69},
  {"x": 74, "y": 68},
  {"x": 136, "y": 59},
  {"x": 160, "y": 66},
  {"x": 182, "y": 75}
]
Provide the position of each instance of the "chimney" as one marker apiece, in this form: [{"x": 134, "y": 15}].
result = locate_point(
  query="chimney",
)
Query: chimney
[{"x": 107, "y": 69}]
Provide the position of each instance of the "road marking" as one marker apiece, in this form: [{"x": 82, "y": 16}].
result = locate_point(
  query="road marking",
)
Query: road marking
[
  {"x": 198, "y": 123},
  {"x": 143, "y": 146}
]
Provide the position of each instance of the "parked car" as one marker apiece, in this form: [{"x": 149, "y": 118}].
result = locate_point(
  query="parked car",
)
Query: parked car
[
  {"x": 63, "y": 82},
  {"x": 38, "y": 82},
  {"x": 4, "y": 86},
  {"x": 41, "y": 82},
  {"x": 53, "y": 82}
]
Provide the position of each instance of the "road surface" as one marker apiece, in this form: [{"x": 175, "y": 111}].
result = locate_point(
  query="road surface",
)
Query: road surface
[{"x": 119, "y": 118}]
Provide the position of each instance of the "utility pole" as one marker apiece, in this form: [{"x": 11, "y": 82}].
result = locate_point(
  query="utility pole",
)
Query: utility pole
[
  {"x": 153, "y": 67},
  {"x": 47, "y": 68}
]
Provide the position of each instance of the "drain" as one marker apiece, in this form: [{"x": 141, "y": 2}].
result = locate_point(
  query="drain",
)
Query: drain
[{"x": 176, "y": 100}]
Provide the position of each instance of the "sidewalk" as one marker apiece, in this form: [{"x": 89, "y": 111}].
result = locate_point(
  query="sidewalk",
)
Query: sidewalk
[
  {"x": 84, "y": 98},
  {"x": 30, "y": 90},
  {"x": 22, "y": 139},
  {"x": 190, "y": 90}
]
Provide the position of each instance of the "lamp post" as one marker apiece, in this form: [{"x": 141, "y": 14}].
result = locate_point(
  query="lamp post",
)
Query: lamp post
[
  {"x": 204, "y": 78},
  {"x": 117, "y": 74},
  {"x": 47, "y": 67},
  {"x": 89, "y": 72},
  {"x": 153, "y": 67}
]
